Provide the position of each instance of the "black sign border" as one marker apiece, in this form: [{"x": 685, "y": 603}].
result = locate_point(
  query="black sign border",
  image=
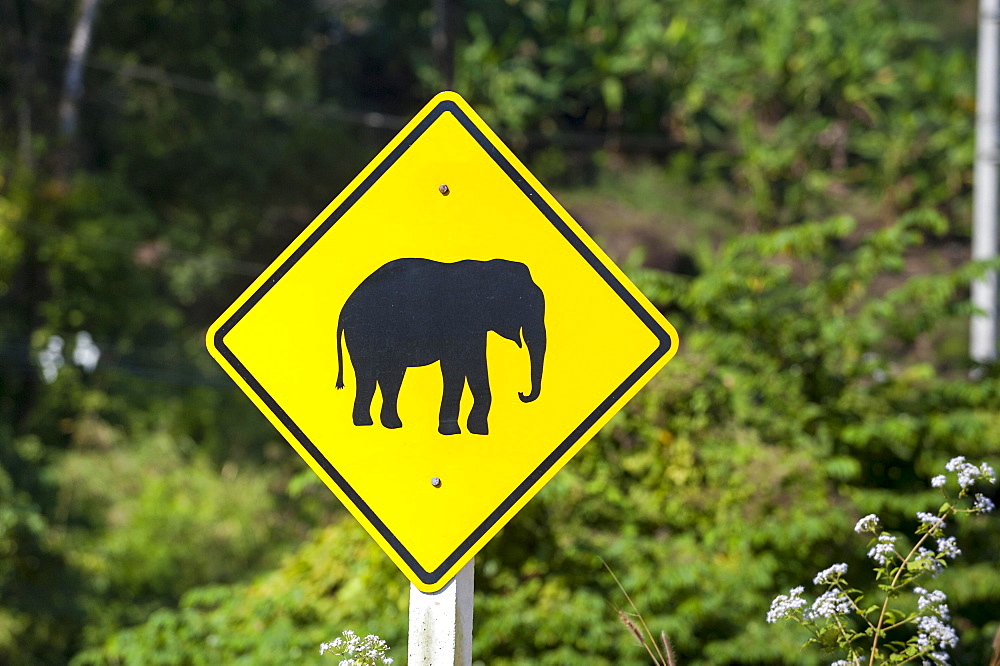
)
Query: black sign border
[{"x": 666, "y": 342}]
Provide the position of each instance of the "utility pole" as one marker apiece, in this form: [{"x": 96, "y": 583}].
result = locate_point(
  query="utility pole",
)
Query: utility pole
[{"x": 983, "y": 327}]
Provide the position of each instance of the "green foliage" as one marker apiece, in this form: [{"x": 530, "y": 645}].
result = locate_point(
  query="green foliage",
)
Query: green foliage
[
  {"x": 795, "y": 407},
  {"x": 794, "y": 101},
  {"x": 142, "y": 519},
  {"x": 821, "y": 376},
  {"x": 791, "y": 341},
  {"x": 33, "y": 630},
  {"x": 110, "y": 485},
  {"x": 338, "y": 579}
]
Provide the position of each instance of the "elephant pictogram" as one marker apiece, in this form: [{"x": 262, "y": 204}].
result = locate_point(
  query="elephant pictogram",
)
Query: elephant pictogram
[{"x": 414, "y": 312}]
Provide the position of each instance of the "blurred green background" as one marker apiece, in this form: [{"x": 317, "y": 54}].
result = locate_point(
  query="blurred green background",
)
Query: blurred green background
[{"x": 788, "y": 180}]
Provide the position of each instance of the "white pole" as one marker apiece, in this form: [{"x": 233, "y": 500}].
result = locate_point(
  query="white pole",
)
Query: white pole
[
  {"x": 983, "y": 327},
  {"x": 441, "y": 623}
]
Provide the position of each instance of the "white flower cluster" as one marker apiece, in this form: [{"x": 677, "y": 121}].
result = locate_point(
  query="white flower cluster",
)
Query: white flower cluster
[
  {"x": 933, "y": 602},
  {"x": 926, "y": 559},
  {"x": 948, "y": 547},
  {"x": 882, "y": 551},
  {"x": 368, "y": 651},
  {"x": 930, "y": 519},
  {"x": 784, "y": 605},
  {"x": 934, "y": 632},
  {"x": 830, "y": 575},
  {"x": 830, "y": 603},
  {"x": 982, "y": 504},
  {"x": 51, "y": 359},
  {"x": 869, "y": 523},
  {"x": 968, "y": 473}
]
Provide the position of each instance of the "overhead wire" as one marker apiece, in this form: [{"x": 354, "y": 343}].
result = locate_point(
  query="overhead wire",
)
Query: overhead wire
[
  {"x": 205, "y": 88},
  {"x": 639, "y": 142},
  {"x": 22, "y": 355}
]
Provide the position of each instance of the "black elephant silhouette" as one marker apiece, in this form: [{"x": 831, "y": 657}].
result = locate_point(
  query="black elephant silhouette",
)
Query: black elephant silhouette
[{"x": 414, "y": 312}]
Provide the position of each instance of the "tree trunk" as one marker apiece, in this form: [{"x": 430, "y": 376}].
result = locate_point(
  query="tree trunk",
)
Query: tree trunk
[
  {"x": 446, "y": 22},
  {"x": 18, "y": 45},
  {"x": 72, "y": 90}
]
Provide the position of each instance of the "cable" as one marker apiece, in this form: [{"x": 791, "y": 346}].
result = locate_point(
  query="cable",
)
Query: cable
[
  {"x": 24, "y": 358},
  {"x": 643, "y": 143},
  {"x": 372, "y": 119}
]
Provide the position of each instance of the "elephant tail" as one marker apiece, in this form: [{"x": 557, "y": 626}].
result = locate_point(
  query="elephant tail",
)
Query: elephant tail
[{"x": 340, "y": 356}]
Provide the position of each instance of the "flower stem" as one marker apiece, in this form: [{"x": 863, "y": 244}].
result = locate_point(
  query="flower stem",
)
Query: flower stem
[{"x": 892, "y": 586}]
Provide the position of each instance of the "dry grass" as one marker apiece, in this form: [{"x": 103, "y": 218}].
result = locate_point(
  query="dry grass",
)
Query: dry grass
[{"x": 662, "y": 652}]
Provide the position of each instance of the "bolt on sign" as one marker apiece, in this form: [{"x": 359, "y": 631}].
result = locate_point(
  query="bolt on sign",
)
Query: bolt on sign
[{"x": 440, "y": 341}]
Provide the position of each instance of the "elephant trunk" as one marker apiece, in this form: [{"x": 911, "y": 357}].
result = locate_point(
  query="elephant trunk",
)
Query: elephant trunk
[{"x": 534, "y": 338}]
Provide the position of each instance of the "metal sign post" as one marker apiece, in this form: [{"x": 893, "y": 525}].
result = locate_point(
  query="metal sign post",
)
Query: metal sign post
[
  {"x": 441, "y": 623},
  {"x": 983, "y": 327}
]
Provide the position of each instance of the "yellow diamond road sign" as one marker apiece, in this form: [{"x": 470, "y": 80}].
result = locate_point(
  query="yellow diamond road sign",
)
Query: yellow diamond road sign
[{"x": 440, "y": 341}]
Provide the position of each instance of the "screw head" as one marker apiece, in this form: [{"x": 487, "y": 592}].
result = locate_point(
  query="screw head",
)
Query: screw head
[
  {"x": 443, "y": 189},
  {"x": 436, "y": 482}
]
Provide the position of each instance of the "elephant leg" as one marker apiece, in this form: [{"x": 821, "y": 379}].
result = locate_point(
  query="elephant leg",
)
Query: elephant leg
[
  {"x": 454, "y": 384},
  {"x": 365, "y": 380},
  {"x": 389, "y": 382},
  {"x": 479, "y": 383}
]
